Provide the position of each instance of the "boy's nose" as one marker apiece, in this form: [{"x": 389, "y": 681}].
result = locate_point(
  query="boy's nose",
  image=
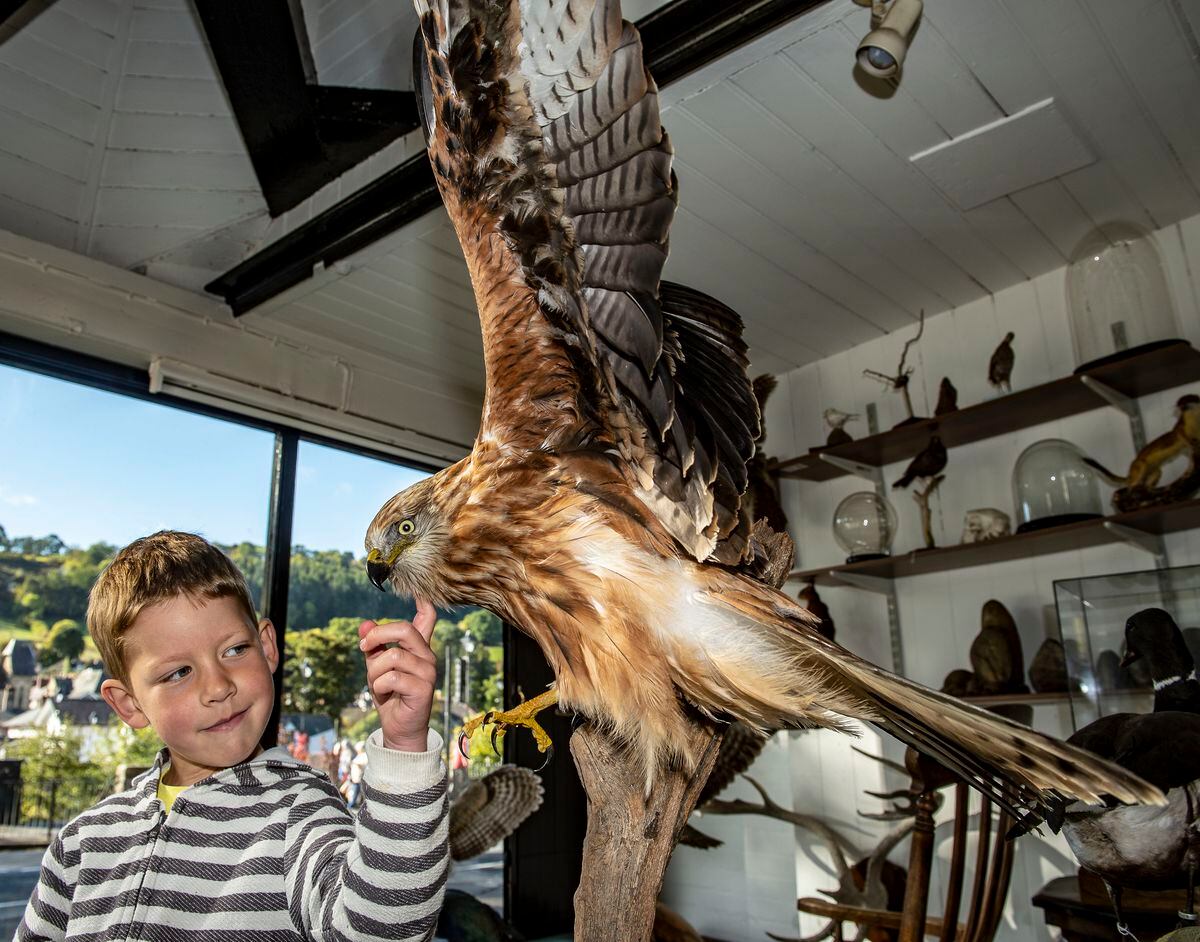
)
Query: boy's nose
[{"x": 219, "y": 686}]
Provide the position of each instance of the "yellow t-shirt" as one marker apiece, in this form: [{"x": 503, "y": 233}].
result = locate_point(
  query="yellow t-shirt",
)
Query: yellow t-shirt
[{"x": 168, "y": 793}]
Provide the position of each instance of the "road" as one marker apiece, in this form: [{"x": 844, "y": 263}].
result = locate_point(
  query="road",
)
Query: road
[{"x": 18, "y": 876}]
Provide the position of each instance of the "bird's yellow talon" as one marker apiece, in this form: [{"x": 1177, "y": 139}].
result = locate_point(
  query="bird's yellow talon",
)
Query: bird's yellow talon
[{"x": 524, "y": 714}]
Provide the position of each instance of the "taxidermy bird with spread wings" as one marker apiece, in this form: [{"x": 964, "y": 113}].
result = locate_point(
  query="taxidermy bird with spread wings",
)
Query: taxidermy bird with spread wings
[{"x": 599, "y": 508}]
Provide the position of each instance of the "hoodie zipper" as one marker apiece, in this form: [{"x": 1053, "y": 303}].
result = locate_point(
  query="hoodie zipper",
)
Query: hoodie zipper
[{"x": 134, "y": 924}]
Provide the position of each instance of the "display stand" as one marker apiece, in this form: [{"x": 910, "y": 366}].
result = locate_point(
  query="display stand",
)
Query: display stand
[{"x": 630, "y": 834}]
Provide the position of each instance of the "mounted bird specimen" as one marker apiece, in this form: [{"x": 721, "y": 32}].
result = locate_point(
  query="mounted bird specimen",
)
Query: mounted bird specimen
[
  {"x": 928, "y": 462},
  {"x": 599, "y": 510},
  {"x": 836, "y": 420},
  {"x": 1000, "y": 366},
  {"x": 1150, "y": 848},
  {"x": 947, "y": 398}
]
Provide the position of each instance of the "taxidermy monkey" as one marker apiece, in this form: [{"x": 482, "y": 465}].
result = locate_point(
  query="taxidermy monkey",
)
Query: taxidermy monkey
[{"x": 1184, "y": 438}]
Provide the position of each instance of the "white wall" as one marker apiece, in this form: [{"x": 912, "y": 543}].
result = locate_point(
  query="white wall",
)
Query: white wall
[{"x": 750, "y": 884}]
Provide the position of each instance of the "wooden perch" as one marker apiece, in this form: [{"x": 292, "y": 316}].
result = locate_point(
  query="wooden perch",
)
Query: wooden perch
[
  {"x": 630, "y": 835},
  {"x": 899, "y": 382},
  {"x": 922, "y": 499}
]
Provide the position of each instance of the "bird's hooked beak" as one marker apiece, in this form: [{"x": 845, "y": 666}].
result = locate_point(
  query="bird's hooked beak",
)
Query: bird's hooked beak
[
  {"x": 1131, "y": 654},
  {"x": 378, "y": 570}
]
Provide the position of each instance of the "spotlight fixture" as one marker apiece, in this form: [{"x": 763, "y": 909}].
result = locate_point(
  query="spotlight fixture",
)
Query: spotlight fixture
[{"x": 883, "y": 49}]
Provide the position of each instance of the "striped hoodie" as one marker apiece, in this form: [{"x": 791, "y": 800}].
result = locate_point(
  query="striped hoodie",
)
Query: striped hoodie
[{"x": 264, "y": 851}]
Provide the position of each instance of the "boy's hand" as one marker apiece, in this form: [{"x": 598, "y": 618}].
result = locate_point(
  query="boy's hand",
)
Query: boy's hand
[{"x": 401, "y": 678}]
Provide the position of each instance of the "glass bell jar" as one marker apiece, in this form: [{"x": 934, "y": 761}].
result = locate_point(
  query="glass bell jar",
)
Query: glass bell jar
[
  {"x": 1053, "y": 486},
  {"x": 1117, "y": 296},
  {"x": 864, "y": 526}
]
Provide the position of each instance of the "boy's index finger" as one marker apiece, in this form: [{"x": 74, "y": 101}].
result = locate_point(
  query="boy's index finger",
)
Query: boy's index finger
[
  {"x": 425, "y": 618},
  {"x": 365, "y": 628},
  {"x": 393, "y": 634}
]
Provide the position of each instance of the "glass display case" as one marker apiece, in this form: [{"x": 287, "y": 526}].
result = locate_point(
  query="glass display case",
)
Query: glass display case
[
  {"x": 1052, "y": 486},
  {"x": 864, "y": 525},
  {"x": 1091, "y": 620}
]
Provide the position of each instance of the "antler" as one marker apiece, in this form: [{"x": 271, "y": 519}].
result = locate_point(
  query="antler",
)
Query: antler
[
  {"x": 873, "y": 895},
  {"x": 904, "y": 352}
]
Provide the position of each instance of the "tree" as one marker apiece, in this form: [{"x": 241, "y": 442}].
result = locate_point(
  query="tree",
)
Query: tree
[
  {"x": 483, "y": 626},
  {"x": 324, "y": 670},
  {"x": 52, "y": 766},
  {"x": 64, "y": 642}
]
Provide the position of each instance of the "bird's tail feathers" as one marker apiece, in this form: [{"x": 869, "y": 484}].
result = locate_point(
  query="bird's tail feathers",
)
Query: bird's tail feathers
[
  {"x": 1030, "y": 774},
  {"x": 803, "y": 679},
  {"x": 1114, "y": 479}
]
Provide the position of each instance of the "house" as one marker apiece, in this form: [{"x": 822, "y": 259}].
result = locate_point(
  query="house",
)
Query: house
[{"x": 19, "y": 662}]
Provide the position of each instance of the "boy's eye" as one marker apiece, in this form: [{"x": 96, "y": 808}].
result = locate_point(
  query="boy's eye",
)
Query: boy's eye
[
  {"x": 237, "y": 649},
  {"x": 177, "y": 674}
]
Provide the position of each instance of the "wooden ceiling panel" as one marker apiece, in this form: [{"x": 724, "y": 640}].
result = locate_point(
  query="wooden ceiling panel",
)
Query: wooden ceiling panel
[
  {"x": 799, "y": 205},
  {"x": 816, "y": 198},
  {"x": 1093, "y": 87},
  {"x": 795, "y": 258},
  {"x": 1158, "y": 32}
]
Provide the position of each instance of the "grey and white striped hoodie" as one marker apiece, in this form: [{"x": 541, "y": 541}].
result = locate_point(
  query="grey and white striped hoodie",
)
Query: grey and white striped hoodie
[{"x": 264, "y": 851}]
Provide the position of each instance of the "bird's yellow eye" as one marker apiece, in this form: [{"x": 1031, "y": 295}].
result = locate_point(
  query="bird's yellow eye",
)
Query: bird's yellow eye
[{"x": 406, "y": 527}]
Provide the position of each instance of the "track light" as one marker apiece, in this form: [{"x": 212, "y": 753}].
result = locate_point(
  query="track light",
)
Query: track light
[{"x": 883, "y": 49}]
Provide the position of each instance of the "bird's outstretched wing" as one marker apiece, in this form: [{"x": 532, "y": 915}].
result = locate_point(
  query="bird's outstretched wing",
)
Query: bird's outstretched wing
[{"x": 543, "y": 129}]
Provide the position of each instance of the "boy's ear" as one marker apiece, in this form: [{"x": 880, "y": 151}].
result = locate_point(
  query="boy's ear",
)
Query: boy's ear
[
  {"x": 124, "y": 704},
  {"x": 266, "y": 635}
]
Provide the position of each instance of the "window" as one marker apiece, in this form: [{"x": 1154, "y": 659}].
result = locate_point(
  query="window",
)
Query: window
[{"x": 82, "y": 473}]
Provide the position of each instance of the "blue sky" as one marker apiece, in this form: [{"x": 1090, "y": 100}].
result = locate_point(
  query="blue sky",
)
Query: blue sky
[{"x": 92, "y": 466}]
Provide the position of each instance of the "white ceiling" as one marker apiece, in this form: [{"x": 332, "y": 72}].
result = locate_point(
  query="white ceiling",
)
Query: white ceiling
[{"x": 800, "y": 203}]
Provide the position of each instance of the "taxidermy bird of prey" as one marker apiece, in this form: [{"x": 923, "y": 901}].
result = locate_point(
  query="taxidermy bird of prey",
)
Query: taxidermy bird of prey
[
  {"x": 599, "y": 510},
  {"x": 1000, "y": 366},
  {"x": 929, "y": 461}
]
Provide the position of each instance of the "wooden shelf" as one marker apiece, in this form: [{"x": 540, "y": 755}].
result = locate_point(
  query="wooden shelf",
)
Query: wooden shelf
[
  {"x": 1154, "y": 521},
  {"x": 1136, "y": 376}
]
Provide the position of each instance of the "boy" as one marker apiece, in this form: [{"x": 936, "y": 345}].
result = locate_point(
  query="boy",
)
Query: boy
[{"x": 221, "y": 840}]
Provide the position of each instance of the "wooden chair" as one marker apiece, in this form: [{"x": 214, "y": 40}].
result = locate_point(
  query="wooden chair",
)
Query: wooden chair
[{"x": 989, "y": 880}]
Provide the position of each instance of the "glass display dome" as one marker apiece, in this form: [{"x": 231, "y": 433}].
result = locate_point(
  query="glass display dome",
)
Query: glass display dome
[
  {"x": 1052, "y": 486},
  {"x": 864, "y": 526},
  {"x": 1117, "y": 294}
]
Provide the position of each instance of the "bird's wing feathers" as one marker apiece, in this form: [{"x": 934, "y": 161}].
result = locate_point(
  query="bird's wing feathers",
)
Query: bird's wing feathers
[
  {"x": 492, "y": 808},
  {"x": 545, "y": 137}
]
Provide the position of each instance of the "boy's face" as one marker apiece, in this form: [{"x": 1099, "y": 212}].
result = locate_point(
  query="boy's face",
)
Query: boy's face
[{"x": 200, "y": 675}]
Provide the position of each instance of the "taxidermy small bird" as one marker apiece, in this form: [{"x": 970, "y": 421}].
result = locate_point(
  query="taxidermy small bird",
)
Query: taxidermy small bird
[
  {"x": 929, "y": 462},
  {"x": 1182, "y": 439},
  {"x": 947, "y": 397},
  {"x": 836, "y": 419},
  {"x": 599, "y": 509},
  {"x": 1000, "y": 367}
]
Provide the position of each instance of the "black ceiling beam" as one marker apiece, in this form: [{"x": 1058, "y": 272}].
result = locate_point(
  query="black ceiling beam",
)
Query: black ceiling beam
[
  {"x": 677, "y": 39},
  {"x": 9, "y": 8},
  {"x": 299, "y": 136}
]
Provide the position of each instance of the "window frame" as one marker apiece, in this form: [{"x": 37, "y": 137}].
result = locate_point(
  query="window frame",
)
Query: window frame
[{"x": 110, "y": 376}]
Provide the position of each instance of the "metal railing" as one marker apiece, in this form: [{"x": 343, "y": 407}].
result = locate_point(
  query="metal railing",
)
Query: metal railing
[{"x": 32, "y": 812}]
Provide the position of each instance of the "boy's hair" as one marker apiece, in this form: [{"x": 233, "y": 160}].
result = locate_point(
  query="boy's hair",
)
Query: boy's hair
[{"x": 154, "y": 569}]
